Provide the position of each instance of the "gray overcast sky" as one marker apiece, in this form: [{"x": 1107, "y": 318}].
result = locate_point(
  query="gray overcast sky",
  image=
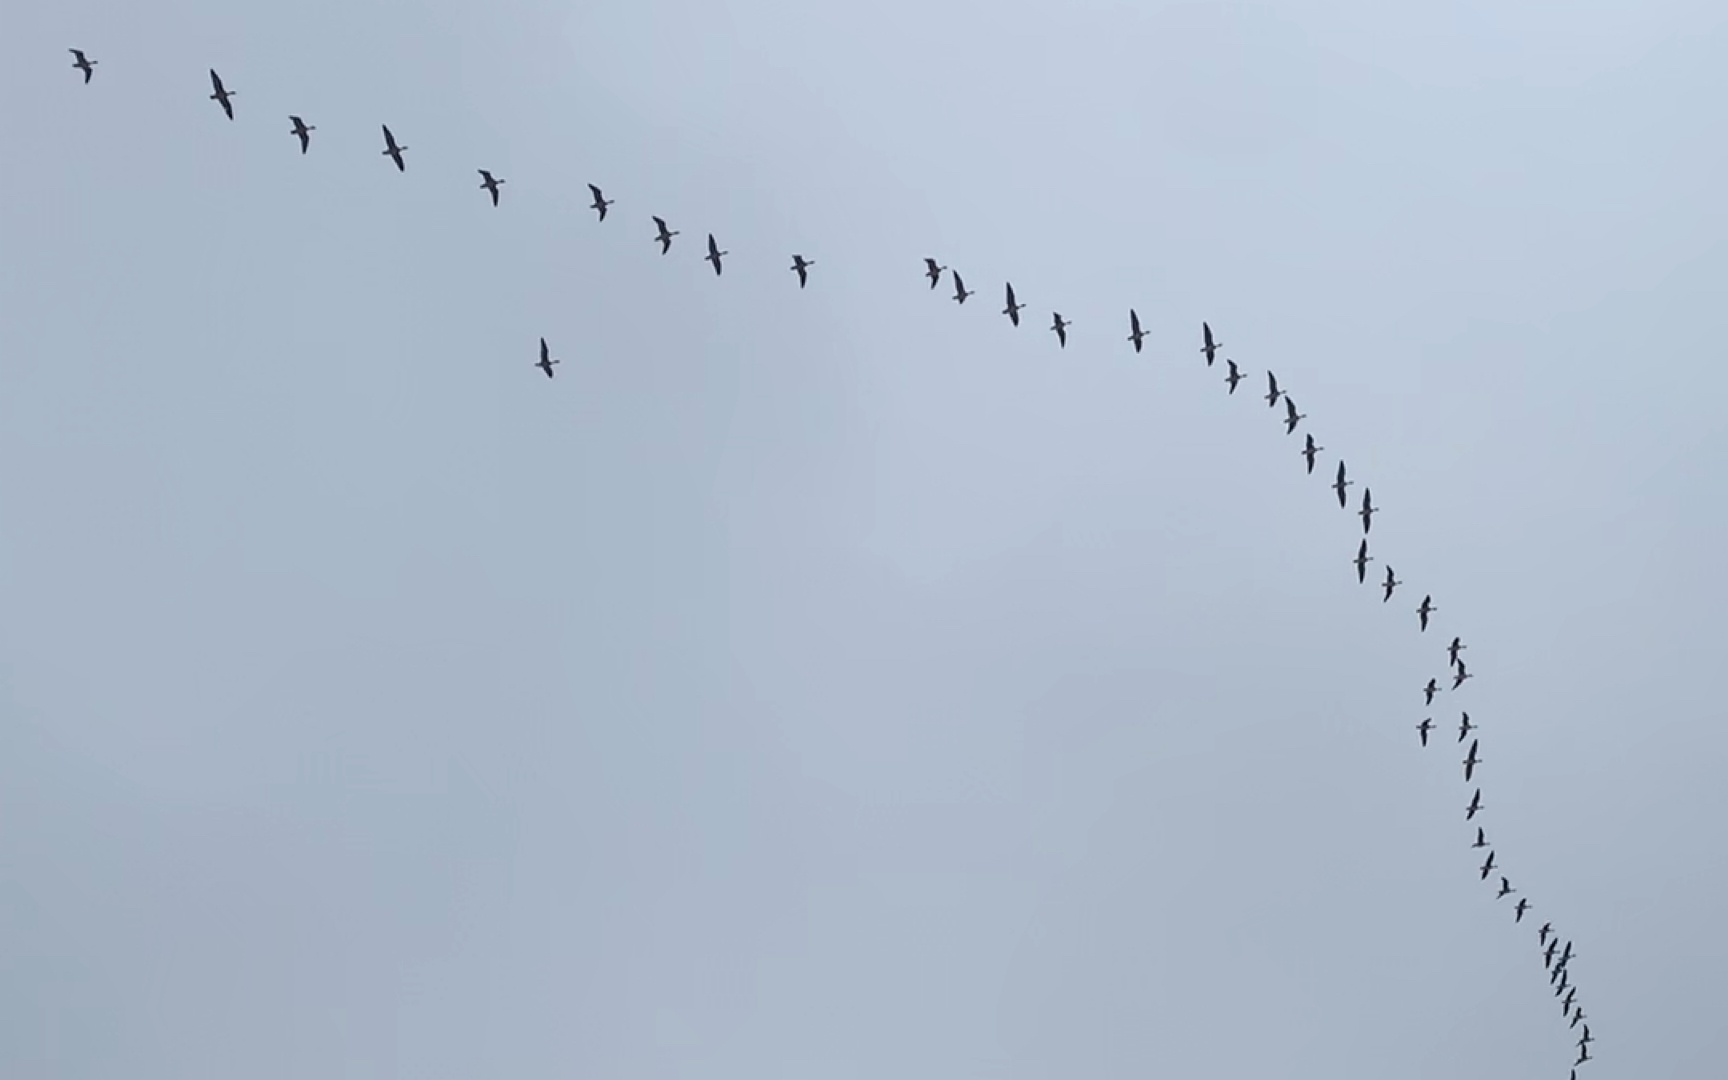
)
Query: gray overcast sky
[{"x": 842, "y": 683}]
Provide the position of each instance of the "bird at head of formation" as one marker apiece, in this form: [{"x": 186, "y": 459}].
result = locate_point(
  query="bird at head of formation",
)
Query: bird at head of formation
[
  {"x": 1426, "y": 608},
  {"x": 1475, "y": 806},
  {"x": 665, "y": 235},
  {"x": 1390, "y": 584},
  {"x": 83, "y": 63},
  {"x": 1506, "y": 889},
  {"x": 546, "y": 360},
  {"x": 1014, "y": 306},
  {"x": 490, "y": 183},
  {"x": 801, "y": 266},
  {"x": 303, "y": 131},
  {"x": 1465, "y": 727},
  {"x": 1424, "y": 728},
  {"x": 1367, "y": 511},
  {"x": 1233, "y": 376},
  {"x": 1518, "y": 912},
  {"x": 1291, "y": 416},
  {"x": 1488, "y": 867},
  {"x": 960, "y": 291},
  {"x": 1060, "y": 325},
  {"x": 714, "y": 254},
  {"x": 1340, "y": 484},
  {"x": 1542, "y": 934},
  {"x": 393, "y": 151},
  {"x": 1309, "y": 449},
  {"x": 1471, "y": 761},
  {"x": 1481, "y": 838},
  {"x": 1135, "y": 334},
  {"x": 1362, "y": 560},
  {"x": 1272, "y": 391},
  {"x": 1458, "y": 679},
  {"x": 933, "y": 272},
  {"x": 1454, "y": 649},
  {"x": 222, "y": 94},
  {"x": 1433, "y": 686},
  {"x": 1208, "y": 346},
  {"x": 600, "y": 202}
]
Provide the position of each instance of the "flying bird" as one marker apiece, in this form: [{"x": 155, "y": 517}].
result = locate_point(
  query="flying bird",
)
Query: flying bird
[
  {"x": 1291, "y": 416},
  {"x": 960, "y": 293},
  {"x": 1471, "y": 761},
  {"x": 933, "y": 272},
  {"x": 1542, "y": 934},
  {"x": 1481, "y": 838},
  {"x": 222, "y": 94},
  {"x": 490, "y": 183},
  {"x": 801, "y": 266},
  {"x": 1559, "y": 979},
  {"x": 83, "y": 63},
  {"x": 1390, "y": 584},
  {"x": 1566, "y": 1007},
  {"x": 1548, "y": 954},
  {"x": 1458, "y": 679},
  {"x": 1583, "y": 1056},
  {"x": 303, "y": 131},
  {"x": 1577, "y": 1015},
  {"x": 1367, "y": 511},
  {"x": 1362, "y": 560},
  {"x": 546, "y": 360},
  {"x": 1424, "y": 728},
  {"x": 714, "y": 254},
  {"x": 665, "y": 235},
  {"x": 1488, "y": 867},
  {"x": 600, "y": 202},
  {"x": 1454, "y": 649},
  {"x": 1014, "y": 306},
  {"x": 1272, "y": 391},
  {"x": 1433, "y": 686},
  {"x": 1136, "y": 335},
  {"x": 1209, "y": 347},
  {"x": 392, "y": 151},
  {"x": 1475, "y": 806},
  {"x": 1565, "y": 954},
  {"x": 1309, "y": 449},
  {"x": 1234, "y": 376},
  {"x": 1518, "y": 912},
  {"x": 1584, "y": 1038},
  {"x": 1340, "y": 484},
  {"x": 1465, "y": 727},
  {"x": 1426, "y": 608},
  {"x": 1506, "y": 889},
  {"x": 1060, "y": 325}
]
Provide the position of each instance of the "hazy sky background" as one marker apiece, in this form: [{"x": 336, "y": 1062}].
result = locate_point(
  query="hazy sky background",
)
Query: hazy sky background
[{"x": 845, "y": 684}]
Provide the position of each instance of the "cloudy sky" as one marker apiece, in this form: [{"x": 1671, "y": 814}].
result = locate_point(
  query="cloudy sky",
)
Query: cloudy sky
[{"x": 844, "y": 683}]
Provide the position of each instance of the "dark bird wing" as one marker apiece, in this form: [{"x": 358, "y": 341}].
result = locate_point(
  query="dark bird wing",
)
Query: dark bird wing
[{"x": 216, "y": 81}]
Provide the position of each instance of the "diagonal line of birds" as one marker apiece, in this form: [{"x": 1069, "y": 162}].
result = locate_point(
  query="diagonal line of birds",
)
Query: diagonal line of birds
[{"x": 1555, "y": 958}]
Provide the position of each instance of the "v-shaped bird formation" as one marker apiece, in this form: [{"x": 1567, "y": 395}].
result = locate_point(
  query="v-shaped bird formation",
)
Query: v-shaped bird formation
[{"x": 1555, "y": 958}]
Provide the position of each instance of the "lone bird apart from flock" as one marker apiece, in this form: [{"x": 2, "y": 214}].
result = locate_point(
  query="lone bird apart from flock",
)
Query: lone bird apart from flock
[
  {"x": 933, "y": 271},
  {"x": 600, "y": 202},
  {"x": 714, "y": 254},
  {"x": 1208, "y": 346},
  {"x": 1060, "y": 325},
  {"x": 83, "y": 63},
  {"x": 1014, "y": 306},
  {"x": 801, "y": 266},
  {"x": 393, "y": 151},
  {"x": 222, "y": 94},
  {"x": 665, "y": 235},
  {"x": 303, "y": 131},
  {"x": 1137, "y": 335},
  {"x": 546, "y": 360},
  {"x": 490, "y": 183}
]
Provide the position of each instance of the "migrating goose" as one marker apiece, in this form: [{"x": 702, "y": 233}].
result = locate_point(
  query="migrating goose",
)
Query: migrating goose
[
  {"x": 1367, "y": 511},
  {"x": 1566, "y": 954},
  {"x": 1060, "y": 325},
  {"x": 1481, "y": 838},
  {"x": 1209, "y": 346},
  {"x": 1424, "y": 728},
  {"x": 1426, "y": 608},
  {"x": 83, "y": 63},
  {"x": 1577, "y": 1015},
  {"x": 546, "y": 360},
  {"x": 1475, "y": 806},
  {"x": 1340, "y": 484},
  {"x": 490, "y": 183},
  {"x": 1566, "y": 1006},
  {"x": 1583, "y": 1056},
  {"x": 1362, "y": 560},
  {"x": 1458, "y": 679},
  {"x": 1136, "y": 335},
  {"x": 1542, "y": 934},
  {"x": 1518, "y": 912},
  {"x": 714, "y": 254},
  {"x": 600, "y": 202},
  {"x": 391, "y": 150},
  {"x": 1309, "y": 449},
  {"x": 933, "y": 272},
  {"x": 222, "y": 94},
  {"x": 1390, "y": 583},
  {"x": 1488, "y": 867},
  {"x": 304, "y": 131},
  {"x": 1454, "y": 649},
  {"x": 1560, "y": 979},
  {"x": 1548, "y": 954},
  {"x": 1291, "y": 416},
  {"x": 1584, "y": 1038},
  {"x": 1433, "y": 686},
  {"x": 665, "y": 235},
  {"x": 801, "y": 266},
  {"x": 1013, "y": 308},
  {"x": 1272, "y": 391},
  {"x": 1471, "y": 761},
  {"x": 1465, "y": 727},
  {"x": 1234, "y": 376},
  {"x": 960, "y": 293},
  {"x": 1506, "y": 889}
]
